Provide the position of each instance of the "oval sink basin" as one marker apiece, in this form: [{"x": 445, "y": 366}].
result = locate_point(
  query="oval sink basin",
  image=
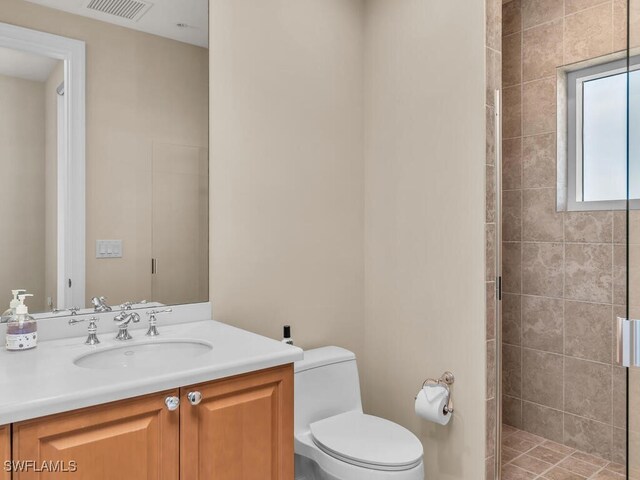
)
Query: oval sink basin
[{"x": 143, "y": 355}]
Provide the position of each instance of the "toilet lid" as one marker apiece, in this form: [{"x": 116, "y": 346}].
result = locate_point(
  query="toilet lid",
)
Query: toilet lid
[{"x": 367, "y": 441}]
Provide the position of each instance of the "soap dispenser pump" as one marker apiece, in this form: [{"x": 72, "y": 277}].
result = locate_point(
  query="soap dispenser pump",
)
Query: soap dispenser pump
[
  {"x": 12, "y": 305},
  {"x": 22, "y": 328}
]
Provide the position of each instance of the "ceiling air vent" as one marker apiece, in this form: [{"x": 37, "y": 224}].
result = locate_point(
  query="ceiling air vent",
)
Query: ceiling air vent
[{"x": 127, "y": 9}]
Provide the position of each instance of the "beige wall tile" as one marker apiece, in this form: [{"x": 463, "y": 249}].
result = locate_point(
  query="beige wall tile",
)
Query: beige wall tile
[
  {"x": 493, "y": 19},
  {"x": 573, "y": 6},
  {"x": 490, "y": 149},
  {"x": 512, "y": 112},
  {"x": 620, "y": 397},
  {"x": 620, "y": 25},
  {"x": 491, "y": 311},
  {"x": 539, "y": 106},
  {"x": 587, "y": 389},
  {"x": 539, "y": 161},
  {"x": 490, "y": 194},
  {"x": 490, "y": 252},
  {"x": 511, "y": 318},
  {"x": 542, "y": 50},
  {"x": 512, "y": 215},
  {"x": 619, "y": 452},
  {"x": 543, "y": 421},
  {"x": 540, "y": 221},
  {"x": 511, "y": 17},
  {"x": 542, "y": 269},
  {"x": 512, "y": 163},
  {"x": 491, "y": 369},
  {"x": 511, "y": 267},
  {"x": 542, "y": 322},
  {"x": 490, "y": 468},
  {"x": 512, "y": 59},
  {"x": 620, "y": 227},
  {"x": 588, "y": 330},
  {"x": 512, "y": 370},
  {"x": 588, "y": 274},
  {"x": 492, "y": 428},
  {"x": 634, "y": 19},
  {"x": 588, "y": 227},
  {"x": 620, "y": 274},
  {"x": 512, "y": 411},
  {"x": 588, "y": 34},
  {"x": 543, "y": 374},
  {"x": 535, "y": 12},
  {"x": 494, "y": 74},
  {"x": 588, "y": 435}
]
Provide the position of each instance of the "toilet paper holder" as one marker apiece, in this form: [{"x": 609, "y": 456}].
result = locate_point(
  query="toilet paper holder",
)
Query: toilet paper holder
[{"x": 446, "y": 380}]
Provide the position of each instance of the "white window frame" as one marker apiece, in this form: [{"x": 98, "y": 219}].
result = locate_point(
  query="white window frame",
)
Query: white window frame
[{"x": 574, "y": 104}]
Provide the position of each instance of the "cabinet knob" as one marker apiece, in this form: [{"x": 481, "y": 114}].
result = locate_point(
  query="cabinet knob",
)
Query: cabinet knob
[
  {"x": 194, "y": 398},
  {"x": 172, "y": 403}
]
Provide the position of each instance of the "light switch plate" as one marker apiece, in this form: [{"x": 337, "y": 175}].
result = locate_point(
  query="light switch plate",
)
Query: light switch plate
[{"x": 108, "y": 248}]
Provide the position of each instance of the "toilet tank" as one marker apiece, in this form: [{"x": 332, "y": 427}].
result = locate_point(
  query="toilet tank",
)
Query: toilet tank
[{"x": 326, "y": 384}]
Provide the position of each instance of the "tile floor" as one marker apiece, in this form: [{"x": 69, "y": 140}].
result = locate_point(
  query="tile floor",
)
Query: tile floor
[{"x": 528, "y": 457}]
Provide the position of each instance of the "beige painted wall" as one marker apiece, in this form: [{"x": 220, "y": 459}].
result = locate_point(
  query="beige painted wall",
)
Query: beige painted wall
[
  {"x": 287, "y": 168},
  {"x": 424, "y": 236},
  {"x": 22, "y": 147},
  {"x": 141, "y": 89},
  {"x": 297, "y": 173}
]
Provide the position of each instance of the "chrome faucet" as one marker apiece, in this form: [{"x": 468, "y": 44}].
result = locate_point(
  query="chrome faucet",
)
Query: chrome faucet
[
  {"x": 92, "y": 339},
  {"x": 153, "y": 330},
  {"x": 123, "y": 319},
  {"x": 100, "y": 305}
]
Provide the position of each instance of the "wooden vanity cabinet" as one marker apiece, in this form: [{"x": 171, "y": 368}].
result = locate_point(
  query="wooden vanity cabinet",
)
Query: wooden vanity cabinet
[
  {"x": 239, "y": 428},
  {"x": 5, "y": 451},
  {"x": 127, "y": 440}
]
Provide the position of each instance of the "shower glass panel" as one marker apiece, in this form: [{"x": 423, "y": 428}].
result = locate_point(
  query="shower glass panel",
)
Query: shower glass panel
[{"x": 632, "y": 241}]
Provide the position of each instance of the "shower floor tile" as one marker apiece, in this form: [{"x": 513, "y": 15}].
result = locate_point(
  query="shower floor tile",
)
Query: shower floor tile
[{"x": 529, "y": 457}]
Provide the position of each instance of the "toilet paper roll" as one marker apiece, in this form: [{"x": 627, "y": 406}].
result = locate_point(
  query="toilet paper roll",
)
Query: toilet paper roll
[{"x": 433, "y": 410}]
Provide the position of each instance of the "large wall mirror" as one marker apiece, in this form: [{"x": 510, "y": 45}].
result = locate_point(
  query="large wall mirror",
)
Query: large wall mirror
[{"x": 104, "y": 152}]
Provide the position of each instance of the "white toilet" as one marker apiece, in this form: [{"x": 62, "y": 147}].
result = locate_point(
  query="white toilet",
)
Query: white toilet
[{"x": 334, "y": 439}]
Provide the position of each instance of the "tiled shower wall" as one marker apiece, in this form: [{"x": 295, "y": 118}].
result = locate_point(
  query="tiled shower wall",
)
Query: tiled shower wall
[
  {"x": 493, "y": 46},
  {"x": 563, "y": 272}
]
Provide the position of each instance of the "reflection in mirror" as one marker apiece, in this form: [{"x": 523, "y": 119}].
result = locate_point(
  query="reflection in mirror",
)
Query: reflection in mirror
[
  {"x": 29, "y": 134},
  {"x": 126, "y": 216}
]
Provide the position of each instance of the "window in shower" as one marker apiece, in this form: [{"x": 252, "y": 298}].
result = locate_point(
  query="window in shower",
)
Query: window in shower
[{"x": 597, "y": 136}]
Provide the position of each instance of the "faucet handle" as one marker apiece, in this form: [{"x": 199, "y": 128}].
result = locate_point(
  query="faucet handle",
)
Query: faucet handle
[
  {"x": 129, "y": 305},
  {"x": 153, "y": 330},
  {"x": 73, "y": 310},
  {"x": 92, "y": 339}
]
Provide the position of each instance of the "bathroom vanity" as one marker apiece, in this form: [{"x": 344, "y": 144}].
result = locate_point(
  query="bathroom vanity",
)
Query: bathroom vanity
[{"x": 223, "y": 412}]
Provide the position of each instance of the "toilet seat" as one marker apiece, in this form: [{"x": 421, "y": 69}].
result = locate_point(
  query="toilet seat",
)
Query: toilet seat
[{"x": 367, "y": 441}]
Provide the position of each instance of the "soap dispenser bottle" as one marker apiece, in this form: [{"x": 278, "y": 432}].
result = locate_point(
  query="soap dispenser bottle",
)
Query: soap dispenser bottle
[
  {"x": 22, "y": 328},
  {"x": 12, "y": 305}
]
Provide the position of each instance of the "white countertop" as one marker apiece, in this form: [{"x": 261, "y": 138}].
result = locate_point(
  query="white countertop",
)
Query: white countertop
[{"x": 45, "y": 380}]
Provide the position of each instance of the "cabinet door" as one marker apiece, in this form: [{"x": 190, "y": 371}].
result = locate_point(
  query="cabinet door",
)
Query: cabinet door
[
  {"x": 128, "y": 440},
  {"x": 5, "y": 449},
  {"x": 242, "y": 429}
]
